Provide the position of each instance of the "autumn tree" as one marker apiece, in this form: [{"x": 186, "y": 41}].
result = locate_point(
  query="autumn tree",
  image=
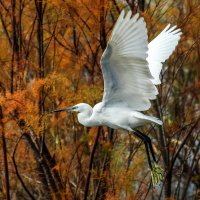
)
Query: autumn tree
[{"x": 50, "y": 53}]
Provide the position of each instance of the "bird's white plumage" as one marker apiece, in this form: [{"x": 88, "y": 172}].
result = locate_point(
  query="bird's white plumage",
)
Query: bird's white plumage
[
  {"x": 130, "y": 69},
  {"x": 160, "y": 49},
  {"x": 127, "y": 78}
]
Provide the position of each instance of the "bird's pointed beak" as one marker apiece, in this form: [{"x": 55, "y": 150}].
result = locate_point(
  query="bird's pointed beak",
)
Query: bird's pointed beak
[{"x": 64, "y": 109}]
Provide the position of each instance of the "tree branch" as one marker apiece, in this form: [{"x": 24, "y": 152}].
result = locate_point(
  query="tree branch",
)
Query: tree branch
[
  {"x": 90, "y": 164},
  {"x": 17, "y": 172}
]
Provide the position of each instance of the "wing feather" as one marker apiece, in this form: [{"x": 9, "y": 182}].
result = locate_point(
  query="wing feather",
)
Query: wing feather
[
  {"x": 127, "y": 78},
  {"x": 160, "y": 49}
]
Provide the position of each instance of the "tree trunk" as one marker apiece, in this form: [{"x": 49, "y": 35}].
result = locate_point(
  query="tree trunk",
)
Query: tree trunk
[
  {"x": 102, "y": 25},
  {"x": 5, "y": 160},
  {"x": 15, "y": 46},
  {"x": 40, "y": 12}
]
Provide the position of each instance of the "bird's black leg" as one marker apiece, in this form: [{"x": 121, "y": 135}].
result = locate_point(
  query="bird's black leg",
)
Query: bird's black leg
[
  {"x": 156, "y": 170},
  {"x": 141, "y": 136},
  {"x": 151, "y": 149},
  {"x": 149, "y": 143}
]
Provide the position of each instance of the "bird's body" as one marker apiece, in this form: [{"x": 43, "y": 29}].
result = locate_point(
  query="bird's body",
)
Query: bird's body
[
  {"x": 113, "y": 116},
  {"x": 131, "y": 69}
]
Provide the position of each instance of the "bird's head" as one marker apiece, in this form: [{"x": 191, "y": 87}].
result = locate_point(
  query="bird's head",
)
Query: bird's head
[{"x": 79, "y": 108}]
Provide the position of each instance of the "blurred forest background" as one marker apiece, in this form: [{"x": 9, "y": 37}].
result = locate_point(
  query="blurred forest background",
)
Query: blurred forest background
[{"x": 49, "y": 58}]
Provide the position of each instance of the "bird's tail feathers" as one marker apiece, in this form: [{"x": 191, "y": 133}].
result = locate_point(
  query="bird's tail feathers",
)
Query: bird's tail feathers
[
  {"x": 155, "y": 119},
  {"x": 146, "y": 117}
]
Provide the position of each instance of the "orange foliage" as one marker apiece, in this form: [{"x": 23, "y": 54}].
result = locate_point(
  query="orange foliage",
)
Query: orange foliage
[{"x": 71, "y": 55}]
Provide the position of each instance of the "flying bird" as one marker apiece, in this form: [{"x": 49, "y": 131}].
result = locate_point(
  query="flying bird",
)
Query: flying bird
[{"x": 131, "y": 69}]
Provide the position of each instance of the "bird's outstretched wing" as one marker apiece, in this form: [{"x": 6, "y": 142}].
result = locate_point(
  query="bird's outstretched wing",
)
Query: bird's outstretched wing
[
  {"x": 127, "y": 78},
  {"x": 160, "y": 49}
]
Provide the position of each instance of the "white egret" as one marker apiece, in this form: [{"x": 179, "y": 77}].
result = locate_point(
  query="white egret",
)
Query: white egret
[{"x": 131, "y": 69}]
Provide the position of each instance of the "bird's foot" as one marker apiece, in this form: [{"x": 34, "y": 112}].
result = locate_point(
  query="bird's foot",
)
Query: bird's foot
[{"x": 157, "y": 174}]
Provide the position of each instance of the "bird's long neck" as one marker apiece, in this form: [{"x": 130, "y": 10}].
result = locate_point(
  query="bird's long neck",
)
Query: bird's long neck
[{"x": 85, "y": 119}]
